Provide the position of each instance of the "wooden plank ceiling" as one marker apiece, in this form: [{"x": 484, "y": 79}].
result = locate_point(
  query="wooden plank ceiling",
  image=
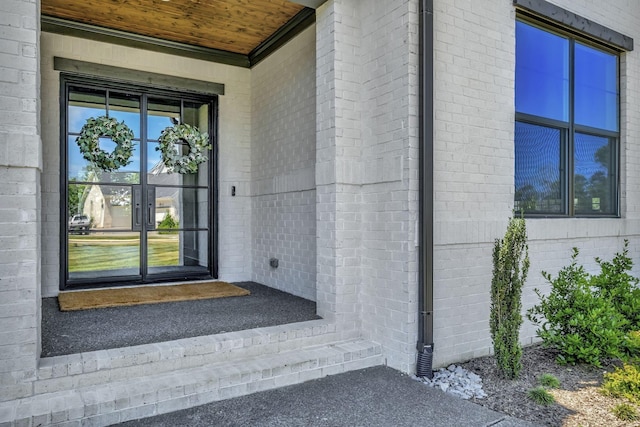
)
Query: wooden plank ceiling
[{"x": 237, "y": 26}]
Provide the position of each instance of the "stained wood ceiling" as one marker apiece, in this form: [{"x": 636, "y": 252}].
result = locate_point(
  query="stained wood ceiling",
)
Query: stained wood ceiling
[{"x": 237, "y": 26}]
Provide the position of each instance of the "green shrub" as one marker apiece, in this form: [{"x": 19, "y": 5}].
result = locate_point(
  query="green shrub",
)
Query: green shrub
[
  {"x": 632, "y": 345},
  {"x": 167, "y": 223},
  {"x": 582, "y": 324},
  {"x": 623, "y": 382},
  {"x": 625, "y": 412},
  {"x": 618, "y": 286},
  {"x": 549, "y": 381},
  {"x": 541, "y": 396},
  {"x": 510, "y": 268}
]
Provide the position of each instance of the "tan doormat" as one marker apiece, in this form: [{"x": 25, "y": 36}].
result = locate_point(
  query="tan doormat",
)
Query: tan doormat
[{"x": 101, "y": 298}]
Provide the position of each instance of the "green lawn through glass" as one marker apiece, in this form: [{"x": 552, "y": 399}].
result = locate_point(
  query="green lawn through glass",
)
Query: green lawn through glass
[{"x": 119, "y": 251}]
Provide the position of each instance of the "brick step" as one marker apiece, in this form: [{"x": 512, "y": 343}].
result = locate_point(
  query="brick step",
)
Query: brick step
[
  {"x": 99, "y": 367},
  {"x": 144, "y": 396}
]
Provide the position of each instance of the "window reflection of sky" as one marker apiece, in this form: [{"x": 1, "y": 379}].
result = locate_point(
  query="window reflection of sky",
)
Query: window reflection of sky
[
  {"x": 542, "y": 90},
  {"x": 78, "y": 166},
  {"x": 79, "y": 115},
  {"x": 542, "y": 79},
  {"x": 596, "y": 89},
  {"x": 542, "y": 73},
  {"x": 155, "y": 125},
  {"x": 153, "y": 155},
  {"x": 77, "y": 118},
  {"x": 131, "y": 119}
]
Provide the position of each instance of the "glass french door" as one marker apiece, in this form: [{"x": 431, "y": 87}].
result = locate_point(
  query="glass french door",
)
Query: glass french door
[{"x": 140, "y": 223}]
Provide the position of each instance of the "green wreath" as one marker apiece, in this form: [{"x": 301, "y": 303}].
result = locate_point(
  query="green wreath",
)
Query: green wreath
[
  {"x": 89, "y": 143},
  {"x": 197, "y": 141}
]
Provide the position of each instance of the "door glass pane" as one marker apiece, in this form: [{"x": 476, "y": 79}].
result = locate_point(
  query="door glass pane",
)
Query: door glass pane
[
  {"x": 161, "y": 114},
  {"x": 174, "y": 248},
  {"x": 103, "y": 254},
  {"x": 538, "y": 183},
  {"x": 126, "y": 108},
  {"x": 542, "y": 73},
  {"x": 596, "y": 88},
  {"x": 78, "y": 169},
  {"x": 197, "y": 114},
  {"x": 107, "y": 206},
  {"x": 129, "y": 174},
  {"x": 85, "y": 103},
  {"x": 594, "y": 171},
  {"x": 76, "y": 198},
  {"x": 97, "y": 212},
  {"x": 163, "y": 248},
  {"x": 158, "y": 174},
  {"x": 166, "y": 113},
  {"x": 181, "y": 208}
]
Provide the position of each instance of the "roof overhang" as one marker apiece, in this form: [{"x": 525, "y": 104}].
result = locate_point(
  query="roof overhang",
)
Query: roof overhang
[{"x": 227, "y": 31}]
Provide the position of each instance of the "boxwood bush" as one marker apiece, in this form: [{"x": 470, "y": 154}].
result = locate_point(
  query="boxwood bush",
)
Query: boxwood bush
[{"x": 589, "y": 318}]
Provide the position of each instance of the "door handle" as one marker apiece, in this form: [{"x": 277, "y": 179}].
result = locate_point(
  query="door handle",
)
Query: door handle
[
  {"x": 137, "y": 208},
  {"x": 151, "y": 207}
]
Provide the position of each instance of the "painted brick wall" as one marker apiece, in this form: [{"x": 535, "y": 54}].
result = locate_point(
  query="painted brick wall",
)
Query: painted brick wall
[
  {"x": 474, "y": 161},
  {"x": 367, "y": 82},
  {"x": 283, "y": 167},
  {"x": 338, "y": 162},
  {"x": 234, "y": 133},
  {"x": 20, "y": 163},
  {"x": 389, "y": 291}
]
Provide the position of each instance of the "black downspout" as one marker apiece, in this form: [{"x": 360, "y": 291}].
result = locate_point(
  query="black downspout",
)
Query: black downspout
[{"x": 426, "y": 122}]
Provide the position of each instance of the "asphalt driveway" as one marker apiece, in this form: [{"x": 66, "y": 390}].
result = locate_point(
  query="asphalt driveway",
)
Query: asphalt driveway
[{"x": 376, "y": 396}]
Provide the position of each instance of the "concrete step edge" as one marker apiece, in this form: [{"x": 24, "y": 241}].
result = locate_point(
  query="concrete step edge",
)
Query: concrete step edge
[
  {"x": 78, "y": 370},
  {"x": 124, "y": 400}
]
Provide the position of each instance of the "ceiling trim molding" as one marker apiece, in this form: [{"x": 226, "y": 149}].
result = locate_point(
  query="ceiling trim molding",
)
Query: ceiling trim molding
[
  {"x": 303, "y": 19},
  {"x": 107, "y": 35}
]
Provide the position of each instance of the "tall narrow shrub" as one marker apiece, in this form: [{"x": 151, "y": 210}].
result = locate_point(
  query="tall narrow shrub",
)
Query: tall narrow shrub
[{"x": 510, "y": 268}]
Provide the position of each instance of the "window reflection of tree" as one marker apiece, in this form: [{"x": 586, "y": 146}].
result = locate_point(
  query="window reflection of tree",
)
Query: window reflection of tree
[{"x": 591, "y": 194}]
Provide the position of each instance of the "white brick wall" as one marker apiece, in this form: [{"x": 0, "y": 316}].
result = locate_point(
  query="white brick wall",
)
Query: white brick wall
[
  {"x": 389, "y": 291},
  {"x": 284, "y": 228},
  {"x": 367, "y": 101},
  {"x": 474, "y": 168},
  {"x": 20, "y": 161},
  {"x": 338, "y": 170},
  {"x": 234, "y": 133},
  {"x": 283, "y": 167}
]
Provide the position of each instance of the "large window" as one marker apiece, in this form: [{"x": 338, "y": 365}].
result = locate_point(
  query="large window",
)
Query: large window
[{"x": 567, "y": 125}]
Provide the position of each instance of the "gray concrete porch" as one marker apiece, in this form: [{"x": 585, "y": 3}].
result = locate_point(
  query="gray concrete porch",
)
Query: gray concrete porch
[
  {"x": 109, "y": 366},
  {"x": 100, "y": 329}
]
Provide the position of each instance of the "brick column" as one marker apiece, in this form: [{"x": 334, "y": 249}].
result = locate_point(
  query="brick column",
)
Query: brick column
[
  {"x": 20, "y": 166},
  {"x": 338, "y": 166}
]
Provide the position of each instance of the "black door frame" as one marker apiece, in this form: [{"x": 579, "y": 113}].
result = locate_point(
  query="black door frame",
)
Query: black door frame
[{"x": 67, "y": 80}]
